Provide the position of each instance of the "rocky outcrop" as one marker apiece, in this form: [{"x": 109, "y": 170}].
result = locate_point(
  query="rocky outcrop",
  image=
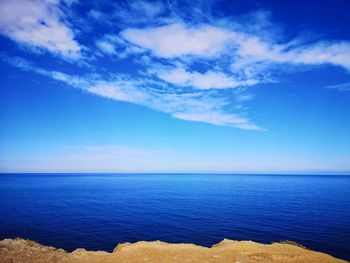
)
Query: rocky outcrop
[{"x": 26, "y": 251}]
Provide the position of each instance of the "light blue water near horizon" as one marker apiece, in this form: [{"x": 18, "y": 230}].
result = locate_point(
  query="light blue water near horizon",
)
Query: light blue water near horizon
[{"x": 98, "y": 211}]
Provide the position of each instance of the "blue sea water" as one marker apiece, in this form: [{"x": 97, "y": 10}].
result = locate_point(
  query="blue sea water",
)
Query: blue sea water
[{"x": 97, "y": 211}]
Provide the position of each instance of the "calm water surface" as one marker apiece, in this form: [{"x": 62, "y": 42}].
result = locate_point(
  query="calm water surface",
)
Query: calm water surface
[{"x": 99, "y": 211}]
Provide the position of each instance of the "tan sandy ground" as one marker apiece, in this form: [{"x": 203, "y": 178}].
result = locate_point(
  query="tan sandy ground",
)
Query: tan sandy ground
[{"x": 26, "y": 251}]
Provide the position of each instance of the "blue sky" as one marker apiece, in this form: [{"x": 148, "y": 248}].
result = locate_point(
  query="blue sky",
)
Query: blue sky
[{"x": 175, "y": 86}]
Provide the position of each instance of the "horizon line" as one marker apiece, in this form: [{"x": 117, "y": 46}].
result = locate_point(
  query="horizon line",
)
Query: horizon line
[{"x": 345, "y": 173}]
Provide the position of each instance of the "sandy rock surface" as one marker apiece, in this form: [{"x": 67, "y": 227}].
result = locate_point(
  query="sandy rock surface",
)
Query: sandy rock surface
[{"x": 26, "y": 251}]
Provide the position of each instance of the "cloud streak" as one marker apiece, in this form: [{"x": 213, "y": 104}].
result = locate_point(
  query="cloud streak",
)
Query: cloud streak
[
  {"x": 340, "y": 87},
  {"x": 191, "y": 106},
  {"x": 204, "y": 81}
]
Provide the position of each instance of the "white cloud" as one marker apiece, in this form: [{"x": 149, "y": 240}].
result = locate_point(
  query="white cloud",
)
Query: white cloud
[
  {"x": 252, "y": 54},
  {"x": 121, "y": 90},
  {"x": 219, "y": 118},
  {"x": 106, "y": 47},
  {"x": 116, "y": 46},
  {"x": 185, "y": 106},
  {"x": 340, "y": 87},
  {"x": 176, "y": 40},
  {"x": 208, "y": 80},
  {"x": 95, "y": 14},
  {"x": 205, "y": 57},
  {"x": 204, "y": 106},
  {"x": 231, "y": 57},
  {"x": 337, "y": 53},
  {"x": 38, "y": 23}
]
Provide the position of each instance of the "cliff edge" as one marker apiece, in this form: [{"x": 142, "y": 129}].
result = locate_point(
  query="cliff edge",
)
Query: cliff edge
[{"x": 26, "y": 251}]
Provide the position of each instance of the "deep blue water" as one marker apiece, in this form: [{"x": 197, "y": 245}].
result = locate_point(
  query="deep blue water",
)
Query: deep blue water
[{"x": 99, "y": 211}]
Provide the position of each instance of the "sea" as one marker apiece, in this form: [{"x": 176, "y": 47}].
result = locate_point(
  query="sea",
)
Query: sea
[{"x": 98, "y": 211}]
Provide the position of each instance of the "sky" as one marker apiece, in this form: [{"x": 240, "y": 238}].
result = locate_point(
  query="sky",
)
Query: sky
[{"x": 175, "y": 86}]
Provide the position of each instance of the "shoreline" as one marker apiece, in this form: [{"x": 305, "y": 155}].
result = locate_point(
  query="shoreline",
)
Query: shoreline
[{"x": 22, "y": 250}]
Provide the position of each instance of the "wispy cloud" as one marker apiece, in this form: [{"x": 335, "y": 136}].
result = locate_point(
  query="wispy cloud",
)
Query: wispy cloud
[
  {"x": 122, "y": 158},
  {"x": 96, "y": 158},
  {"x": 340, "y": 87},
  {"x": 39, "y": 24},
  {"x": 207, "y": 107},
  {"x": 191, "y": 106},
  {"x": 190, "y": 68},
  {"x": 232, "y": 54},
  {"x": 208, "y": 80},
  {"x": 244, "y": 48},
  {"x": 116, "y": 46},
  {"x": 139, "y": 11},
  {"x": 96, "y": 14}
]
